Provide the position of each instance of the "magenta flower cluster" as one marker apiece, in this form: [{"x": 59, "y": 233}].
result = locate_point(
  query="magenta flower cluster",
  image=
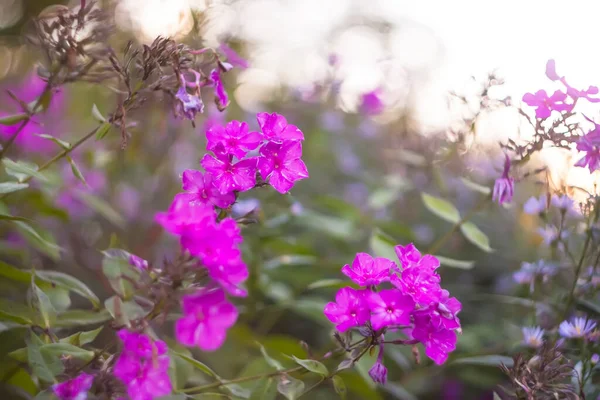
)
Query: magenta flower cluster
[
  {"x": 74, "y": 389},
  {"x": 415, "y": 303},
  {"x": 143, "y": 366}
]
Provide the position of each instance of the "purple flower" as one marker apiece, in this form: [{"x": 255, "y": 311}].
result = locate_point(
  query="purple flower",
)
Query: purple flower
[
  {"x": 200, "y": 189},
  {"x": 410, "y": 257},
  {"x": 530, "y": 272},
  {"x": 221, "y": 98},
  {"x": 533, "y": 336},
  {"x": 371, "y": 104},
  {"x": 349, "y": 310},
  {"x": 563, "y": 202},
  {"x": 576, "y": 328},
  {"x": 595, "y": 358},
  {"x": 549, "y": 234},
  {"x": 143, "y": 366},
  {"x": 234, "y": 138},
  {"x": 590, "y": 145},
  {"x": 535, "y": 205},
  {"x": 504, "y": 186},
  {"x": 276, "y": 129},
  {"x": 229, "y": 176},
  {"x": 551, "y": 70},
  {"x": 438, "y": 342},
  {"x": 281, "y": 164},
  {"x": 183, "y": 216},
  {"x": 368, "y": 271},
  {"x": 378, "y": 371},
  {"x": 207, "y": 317},
  {"x": 443, "y": 314},
  {"x": 138, "y": 262},
  {"x": 74, "y": 389},
  {"x": 187, "y": 104},
  {"x": 233, "y": 57},
  {"x": 230, "y": 274},
  {"x": 545, "y": 104},
  {"x": 422, "y": 285},
  {"x": 389, "y": 307}
]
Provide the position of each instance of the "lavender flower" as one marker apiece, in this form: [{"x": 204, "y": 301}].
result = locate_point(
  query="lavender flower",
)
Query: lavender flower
[
  {"x": 576, "y": 328},
  {"x": 533, "y": 336},
  {"x": 535, "y": 205},
  {"x": 504, "y": 187}
]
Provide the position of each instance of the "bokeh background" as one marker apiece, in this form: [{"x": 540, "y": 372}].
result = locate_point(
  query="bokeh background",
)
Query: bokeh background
[{"x": 451, "y": 75}]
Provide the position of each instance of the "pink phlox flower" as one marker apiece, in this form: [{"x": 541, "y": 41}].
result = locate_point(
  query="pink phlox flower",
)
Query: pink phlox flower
[
  {"x": 590, "y": 144},
  {"x": 74, "y": 389},
  {"x": 200, "y": 188},
  {"x": 233, "y": 57},
  {"x": 221, "y": 98},
  {"x": 410, "y": 256},
  {"x": 421, "y": 284},
  {"x": 368, "y": 271},
  {"x": 234, "y": 137},
  {"x": 349, "y": 310},
  {"x": 389, "y": 307},
  {"x": 229, "y": 275},
  {"x": 207, "y": 317},
  {"x": 213, "y": 242},
  {"x": 229, "y": 175},
  {"x": 544, "y": 104},
  {"x": 143, "y": 366},
  {"x": 371, "y": 104},
  {"x": 281, "y": 164},
  {"x": 504, "y": 187},
  {"x": 443, "y": 314},
  {"x": 275, "y": 128},
  {"x": 438, "y": 342},
  {"x": 184, "y": 216}
]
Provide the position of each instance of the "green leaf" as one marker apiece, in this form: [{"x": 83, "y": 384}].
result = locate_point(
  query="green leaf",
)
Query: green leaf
[
  {"x": 15, "y": 312},
  {"x": 22, "y": 380},
  {"x": 476, "y": 186},
  {"x": 382, "y": 245},
  {"x": 70, "y": 283},
  {"x": 312, "y": 366},
  {"x": 73, "y": 318},
  {"x": 124, "y": 311},
  {"x": 14, "y": 274},
  {"x": 40, "y": 239},
  {"x": 198, "y": 365},
  {"x": 97, "y": 114},
  {"x": 102, "y": 207},
  {"x": 289, "y": 260},
  {"x": 9, "y": 187},
  {"x": 40, "y": 302},
  {"x": 474, "y": 235},
  {"x": 76, "y": 171},
  {"x": 61, "y": 143},
  {"x": 327, "y": 283},
  {"x": 22, "y": 170},
  {"x": 441, "y": 208},
  {"x": 120, "y": 273},
  {"x": 339, "y": 386},
  {"x": 43, "y": 365},
  {"x": 59, "y": 350},
  {"x": 59, "y": 298},
  {"x": 450, "y": 262},
  {"x": 82, "y": 338},
  {"x": 489, "y": 361},
  {"x": 290, "y": 388},
  {"x": 103, "y": 130},
  {"x": 19, "y": 354},
  {"x": 272, "y": 362},
  {"x": 383, "y": 197},
  {"x": 265, "y": 389},
  {"x": 332, "y": 226},
  {"x": 588, "y": 306},
  {"x": 7, "y": 217},
  {"x": 13, "y": 119},
  {"x": 496, "y": 396}
]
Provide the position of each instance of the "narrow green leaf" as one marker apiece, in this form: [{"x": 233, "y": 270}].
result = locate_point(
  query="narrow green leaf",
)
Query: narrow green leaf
[
  {"x": 382, "y": 245},
  {"x": 73, "y": 318},
  {"x": 289, "y": 260},
  {"x": 103, "y": 130},
  {"x": 383, "y": 197},
  {"x": 76, "y": 171},
  {"x": 102, "y": 207},
  {"x": 15, "y": 312},
  {"x": 59, "y": 297},
  {"x": 13, "y": 119},
  {"x": 14, "y": 273},
  {"x": 290, "y": 388},
  {"x": 60, "y": 350},
  {"x": 265, "y": 389},
  {"x": 399, "y": 392},
  {"x": 198, "y": 365},
  {"x": 474, "y": 235},
  {"x": 327, "y": 283},
  {"x": 489, "y": 360},
  {"x": 82, "y": 338},
  {"x": 9, "y": 187},
  {"x": 450, "y": 262},
  {"x": 124, "y": 311},
  {"x": 312, "y": 366},
  {"x": 7, "y": 217},
  {"x": 71, "y": 283},
  {"x": 272, "y": 362},
  {"x": 61, "y": 143},
  {"x": 332, "y": 226},
  {"x": 44, "y": 366},
  {"x": 39, "y": 238},
  {"x": 441, "y": 208},
  {"x": 21, "y": 170},
  {"x": 339, "y": 386},
  {"x": 40, "y": 302},
  {"x": 20, "y": 355},
  {"x": 476, "y": 186}
]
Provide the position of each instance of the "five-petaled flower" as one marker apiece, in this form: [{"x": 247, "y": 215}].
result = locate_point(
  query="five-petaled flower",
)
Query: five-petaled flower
[
  {"x": 544, "y": 104},
  {"x": 368, "y": 271},
  {"x": 349, "y": 310},
  {"x": 281, "y": 164},
  {"x": 230, "y": 176}
]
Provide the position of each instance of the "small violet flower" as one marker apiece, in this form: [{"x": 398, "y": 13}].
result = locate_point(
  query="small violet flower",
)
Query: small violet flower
[
  {"x": 535, "y": 205},
  {"x": 576, "y": 328},
  {"x": 74, "y": 389},
  {"x": 207, "y": 317},
  {"x": 234, "y": 137},
  {"x": 187, "y": 104},
  {"x": 533, "y": 336},
  {"x": 590, "y": 145},
  {"x": 349, "y": 310},
  {"x": 504, "y": 186},
  {"x": 281, "y": 165},
  {"x": 564, "y": 202},
  {"x": 368, "y": 271}
]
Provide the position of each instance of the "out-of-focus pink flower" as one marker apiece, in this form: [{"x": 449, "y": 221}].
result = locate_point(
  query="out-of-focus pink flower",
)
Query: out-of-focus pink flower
[
  {"x": 544, "y": 104},
  {"x": 234, "y": 138},
  {"x": 371, "y": 103},
  {"x": 74, "y": 389},
  {"x": 233, "y": 57},
  {"x": 138, "y": 262},
  {"x": 221, "y": 98},
  {"x": 590, "y": 145},
  {"x": 200, "y": 188},
  {"x": 69, "y": 198},
  {"x": 281, "y": 164},
  {"x": 207, "y": 317}
]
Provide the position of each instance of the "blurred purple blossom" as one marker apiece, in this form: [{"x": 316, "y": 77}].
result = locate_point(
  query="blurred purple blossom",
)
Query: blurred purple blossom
[
  {"x": 576, "y": 328},
  {"x": 535, "y": 205},
  {"x": 533, "y": 336}
]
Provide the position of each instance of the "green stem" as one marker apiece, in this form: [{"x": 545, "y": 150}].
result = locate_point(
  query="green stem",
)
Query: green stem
[
  {"x": 571, "y": 297},
  {"x": 440, "y": 242}
]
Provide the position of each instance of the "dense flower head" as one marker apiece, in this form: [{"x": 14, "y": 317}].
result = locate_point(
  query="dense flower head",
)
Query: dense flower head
[
  {"x": 576, "y": 328},
  {"x": 143, "y": 366},
  {"x": 200, "y": 188},
  {"x": 276, "y": 129},
  {"x": 533, "y": 336},
  {"x": 415, "y": 304},
  {"x": 281, "y": 165},
  {"x": 504, "y": 187},
  {"x": 229, "y": 175},
  {"x": 234, "y": 137},
  {"x": 207, "y": 317},
  {"x": 74, "y": 389}
]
